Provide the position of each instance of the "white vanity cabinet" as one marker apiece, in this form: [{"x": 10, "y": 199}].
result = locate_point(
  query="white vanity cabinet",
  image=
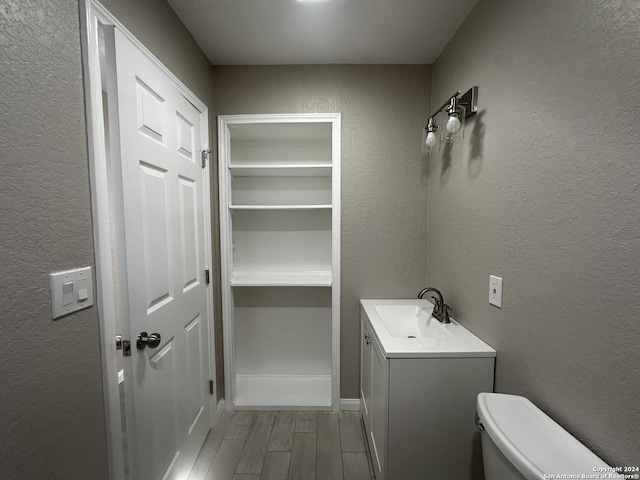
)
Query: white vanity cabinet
[
  {"x": 419, "y": 411},
  {"x": 280, "y": 256}
]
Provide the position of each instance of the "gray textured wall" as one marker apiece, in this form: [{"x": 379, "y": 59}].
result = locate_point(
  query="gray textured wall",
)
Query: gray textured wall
[
  {"x": 52, "y": 420},
  {"x": 155, "y": 24},
  {"x": 545, "y": 193},
  {"x": 384, "y": 192}
]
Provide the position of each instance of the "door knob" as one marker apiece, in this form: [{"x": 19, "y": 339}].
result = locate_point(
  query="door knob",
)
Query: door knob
[{"x": 146, "y": 340}]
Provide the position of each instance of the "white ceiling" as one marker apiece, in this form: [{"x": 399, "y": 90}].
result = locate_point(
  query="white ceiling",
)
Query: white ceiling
[{"x": 282, "y": 32}]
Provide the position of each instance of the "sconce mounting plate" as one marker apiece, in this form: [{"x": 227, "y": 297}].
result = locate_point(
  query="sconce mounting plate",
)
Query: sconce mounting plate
[{"x": 469, "y": 100}]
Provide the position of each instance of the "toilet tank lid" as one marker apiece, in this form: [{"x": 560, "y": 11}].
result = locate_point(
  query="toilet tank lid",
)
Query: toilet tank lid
[{"x": 532, "y": 441}]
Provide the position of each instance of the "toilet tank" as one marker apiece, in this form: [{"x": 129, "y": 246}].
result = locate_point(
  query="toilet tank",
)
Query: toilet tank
[{"x": 520, "y": 441}]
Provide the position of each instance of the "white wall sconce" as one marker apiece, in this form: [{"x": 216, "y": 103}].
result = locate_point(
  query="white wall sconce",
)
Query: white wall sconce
[{"x": 458, "y": 108}]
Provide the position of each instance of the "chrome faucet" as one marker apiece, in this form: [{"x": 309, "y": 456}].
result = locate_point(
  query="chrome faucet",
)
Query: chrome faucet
[{"x": 440, "y": 309}]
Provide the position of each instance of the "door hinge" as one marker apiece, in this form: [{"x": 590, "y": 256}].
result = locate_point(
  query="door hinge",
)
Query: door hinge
[
  {"x": 210, "y": 387},
  {"x": 124, "y": 345},
  {"x": 207, "y": 278},
  {"x": 205, "y": 155}
]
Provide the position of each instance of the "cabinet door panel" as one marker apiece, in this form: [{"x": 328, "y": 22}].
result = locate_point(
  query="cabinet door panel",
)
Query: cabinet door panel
[
  {"x": 378, "y": 405},
  {"x": 365, "y": 377}
]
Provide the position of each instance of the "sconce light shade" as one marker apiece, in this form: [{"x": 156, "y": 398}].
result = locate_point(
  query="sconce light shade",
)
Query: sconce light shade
[
  {"x": 453, "y": 123},
  {"x": 454, "y": 130},
  {"x": 431, "y": 140},
  {"x": 431, "y": 129}
]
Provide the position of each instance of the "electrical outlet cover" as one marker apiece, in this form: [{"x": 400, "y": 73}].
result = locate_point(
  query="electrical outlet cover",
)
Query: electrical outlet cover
[{"x": 495, "y": 291}]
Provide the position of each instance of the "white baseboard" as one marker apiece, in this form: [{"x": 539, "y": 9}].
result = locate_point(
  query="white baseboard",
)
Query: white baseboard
[
  {"x": 349, "y": 404},
  {"x": 220, "y": 408},
  {"x": 345, "y": 404}
]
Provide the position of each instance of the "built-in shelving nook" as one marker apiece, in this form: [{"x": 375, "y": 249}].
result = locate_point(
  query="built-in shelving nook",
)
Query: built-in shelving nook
[{"x": 280, "y": 241}]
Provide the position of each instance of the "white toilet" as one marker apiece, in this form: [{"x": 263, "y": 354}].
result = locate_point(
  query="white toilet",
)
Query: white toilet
[{"x": 519, "y": 441}]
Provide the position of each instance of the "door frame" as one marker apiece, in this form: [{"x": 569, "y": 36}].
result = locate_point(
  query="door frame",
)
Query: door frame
[
  {"x": 224, "y": 155},
  {"x": 93, "y": 16}
]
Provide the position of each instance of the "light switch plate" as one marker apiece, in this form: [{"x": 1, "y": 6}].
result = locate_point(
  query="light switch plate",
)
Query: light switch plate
[
  {"x": 495, "y": 291},
  {"x": 69, "y": 289}
]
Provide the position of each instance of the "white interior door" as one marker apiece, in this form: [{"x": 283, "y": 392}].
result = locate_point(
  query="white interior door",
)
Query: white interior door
[{"x": 156, "y": 143}]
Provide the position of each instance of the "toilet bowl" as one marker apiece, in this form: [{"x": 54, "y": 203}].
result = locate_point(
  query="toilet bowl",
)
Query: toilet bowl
[{"x": 520, "y": 442}]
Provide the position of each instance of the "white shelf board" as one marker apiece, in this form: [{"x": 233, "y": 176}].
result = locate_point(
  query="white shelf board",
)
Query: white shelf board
[
  {"x": 286, "y": 129},
  {"x": 283, "y": 391},
  {"x": 280, "y": 207},
  {"x": 281, "y": 279},
  {"x": 281, "y": 170}
]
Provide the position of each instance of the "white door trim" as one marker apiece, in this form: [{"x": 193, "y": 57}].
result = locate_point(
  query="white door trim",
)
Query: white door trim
[
  {"x": 226, "y": 243},
  {"x": 94, "y": 14}
]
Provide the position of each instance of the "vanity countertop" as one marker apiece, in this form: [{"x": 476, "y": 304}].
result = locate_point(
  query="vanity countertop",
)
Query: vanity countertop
[{"x": 405, "y": 328}]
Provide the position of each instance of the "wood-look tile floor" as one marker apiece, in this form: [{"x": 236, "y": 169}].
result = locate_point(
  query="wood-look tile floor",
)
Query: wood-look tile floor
[{"x": 304, "y": 445}]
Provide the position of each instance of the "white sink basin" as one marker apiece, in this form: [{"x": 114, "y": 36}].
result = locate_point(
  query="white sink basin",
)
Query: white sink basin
[
  {"x": 411, "y": 321},
  {"x": 406, "y": 329}
]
